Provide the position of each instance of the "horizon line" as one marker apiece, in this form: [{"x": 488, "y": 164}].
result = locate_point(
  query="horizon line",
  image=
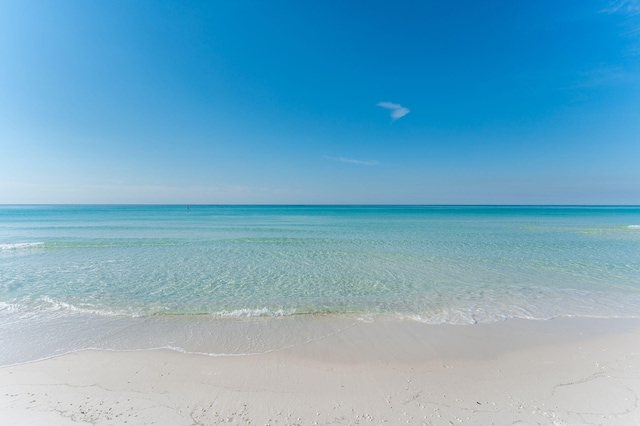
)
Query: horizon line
[{"x": 319, "y": 205}]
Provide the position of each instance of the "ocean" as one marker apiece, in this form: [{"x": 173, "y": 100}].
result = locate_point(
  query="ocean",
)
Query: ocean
[{"x": 232, "y": 280}]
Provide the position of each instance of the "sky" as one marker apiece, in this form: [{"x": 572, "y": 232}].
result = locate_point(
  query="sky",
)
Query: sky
[{"x": 326, "y": 102}]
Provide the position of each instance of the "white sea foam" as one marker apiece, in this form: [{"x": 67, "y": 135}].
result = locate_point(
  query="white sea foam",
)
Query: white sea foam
[
  {"x": 211, "y": 354},
  {"x": 367, "y": 319},
  {"x": 50, "y": 305},
  {"x": 10, "y": 307},
  {"x": 20, "y": 246},
  {"x": 263, "y": 312},
  {"x": 633, "y": 226}
]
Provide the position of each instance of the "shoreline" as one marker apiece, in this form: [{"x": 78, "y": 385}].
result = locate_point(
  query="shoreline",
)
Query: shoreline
[
  {"x": 41, "y": 338},
  {"x": 562, "y": 371}
]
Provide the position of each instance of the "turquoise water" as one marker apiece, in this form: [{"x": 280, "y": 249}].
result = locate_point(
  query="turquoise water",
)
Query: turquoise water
[{"x": 117, "y": 267}]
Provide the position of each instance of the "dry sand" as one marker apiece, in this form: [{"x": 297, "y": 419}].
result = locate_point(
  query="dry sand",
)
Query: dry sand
[{"x": 561, "y": 372}]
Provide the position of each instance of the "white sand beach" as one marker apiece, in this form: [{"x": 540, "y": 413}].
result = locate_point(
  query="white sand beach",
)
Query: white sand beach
[{"x": 560, "y": 372}]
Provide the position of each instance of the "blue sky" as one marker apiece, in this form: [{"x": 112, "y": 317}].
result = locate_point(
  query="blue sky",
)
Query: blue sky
[{"x": 425, "y": 102}]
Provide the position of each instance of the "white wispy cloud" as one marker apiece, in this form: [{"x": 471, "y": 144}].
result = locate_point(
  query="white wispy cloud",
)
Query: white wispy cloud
[
  {"x": 628, "y": 7},
  {"x": 397, "y": 110},
  {"x": 352, "y": 161}
]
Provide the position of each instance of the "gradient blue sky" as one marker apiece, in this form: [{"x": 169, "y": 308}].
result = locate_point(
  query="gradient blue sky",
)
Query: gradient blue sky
[{"x": 510, "y": 102}]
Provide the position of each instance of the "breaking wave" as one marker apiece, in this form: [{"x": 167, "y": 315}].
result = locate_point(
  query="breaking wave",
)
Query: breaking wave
[{"x": 20, "y": 246}]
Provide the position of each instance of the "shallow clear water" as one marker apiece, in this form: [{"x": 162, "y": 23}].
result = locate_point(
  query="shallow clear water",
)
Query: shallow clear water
[{"x": 71, "y": 276}]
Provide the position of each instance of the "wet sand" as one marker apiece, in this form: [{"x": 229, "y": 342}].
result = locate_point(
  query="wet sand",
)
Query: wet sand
[{"x": 562, "y": 372}]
